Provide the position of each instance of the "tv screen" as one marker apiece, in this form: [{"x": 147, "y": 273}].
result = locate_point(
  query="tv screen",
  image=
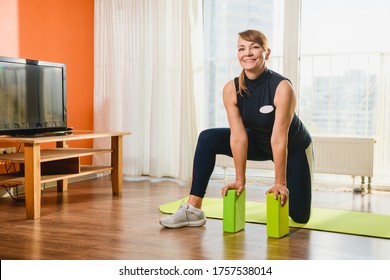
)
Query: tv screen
[{"x": 33, "y": 96}]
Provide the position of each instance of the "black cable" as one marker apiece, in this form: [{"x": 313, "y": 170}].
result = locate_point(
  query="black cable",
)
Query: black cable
[
  {"x": 8, "y": 189},
  {"x": 17, "y": 198}
]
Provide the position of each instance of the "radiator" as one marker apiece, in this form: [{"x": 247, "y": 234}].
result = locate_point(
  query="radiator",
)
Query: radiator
[{"x": 332, "y": 155}]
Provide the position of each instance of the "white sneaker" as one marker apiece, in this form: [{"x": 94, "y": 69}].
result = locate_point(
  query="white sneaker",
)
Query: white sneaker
[{"x": 186, "y": 216}]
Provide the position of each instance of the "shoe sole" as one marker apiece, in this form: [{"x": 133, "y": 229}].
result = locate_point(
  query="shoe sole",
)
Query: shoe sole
[{"x": 185, "y": 224}]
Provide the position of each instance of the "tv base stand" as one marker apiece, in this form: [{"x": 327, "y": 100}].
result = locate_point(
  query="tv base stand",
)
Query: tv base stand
[{"x": 39, "y": 165}]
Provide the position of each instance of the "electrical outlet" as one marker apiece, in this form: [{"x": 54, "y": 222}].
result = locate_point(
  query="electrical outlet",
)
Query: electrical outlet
[{"x": 8, "y": 150}]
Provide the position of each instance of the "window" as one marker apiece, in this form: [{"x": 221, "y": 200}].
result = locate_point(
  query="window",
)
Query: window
[{"x": 344, "y": 71}]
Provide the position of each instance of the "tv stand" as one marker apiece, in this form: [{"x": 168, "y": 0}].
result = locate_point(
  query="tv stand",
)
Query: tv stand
[{"x": 59, "y": 164}]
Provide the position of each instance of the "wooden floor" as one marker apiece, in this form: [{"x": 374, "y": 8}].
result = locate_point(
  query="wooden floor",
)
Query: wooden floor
[{"x": 87, "y": 223}]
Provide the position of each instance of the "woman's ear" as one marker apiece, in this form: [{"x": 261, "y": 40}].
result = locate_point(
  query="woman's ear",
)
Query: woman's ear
[{"x": 267, "y": 53}]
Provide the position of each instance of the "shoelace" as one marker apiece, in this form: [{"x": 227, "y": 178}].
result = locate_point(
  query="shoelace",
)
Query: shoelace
[{"x": 186, "y": 210}]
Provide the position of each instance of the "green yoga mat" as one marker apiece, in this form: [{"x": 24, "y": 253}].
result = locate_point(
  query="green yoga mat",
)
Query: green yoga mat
[{"x": 349, "y": 222}]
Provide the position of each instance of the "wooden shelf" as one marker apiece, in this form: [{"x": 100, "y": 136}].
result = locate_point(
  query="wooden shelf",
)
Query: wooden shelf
[
  {"x": 38, "y": 166},
  {"x": 18, "y": 178},
  {"x": 55, "y": 154}
]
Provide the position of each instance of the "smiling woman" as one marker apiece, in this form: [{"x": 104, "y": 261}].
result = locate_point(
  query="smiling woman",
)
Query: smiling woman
[
  {"x": 223, "y": 21},
  {"x": 276, "y": 135}
]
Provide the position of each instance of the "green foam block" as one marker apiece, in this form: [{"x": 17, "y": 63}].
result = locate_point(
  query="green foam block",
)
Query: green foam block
[
  {"x": 277, "y": 217},
  {"x": 234, "y": 211}
]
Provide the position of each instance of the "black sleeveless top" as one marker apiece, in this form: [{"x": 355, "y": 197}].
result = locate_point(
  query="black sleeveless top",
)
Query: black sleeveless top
[{"x": 258, "y": 112}]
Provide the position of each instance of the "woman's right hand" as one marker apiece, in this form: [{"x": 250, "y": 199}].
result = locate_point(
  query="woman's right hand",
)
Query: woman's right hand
[{"x": 238, "y": 185}]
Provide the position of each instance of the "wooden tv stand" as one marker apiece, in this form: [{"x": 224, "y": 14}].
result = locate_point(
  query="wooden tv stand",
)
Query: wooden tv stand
[{"x": 39, "y": 166}]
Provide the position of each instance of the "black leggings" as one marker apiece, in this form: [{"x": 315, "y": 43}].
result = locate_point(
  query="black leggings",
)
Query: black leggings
[{"x": 299, "y": 169}]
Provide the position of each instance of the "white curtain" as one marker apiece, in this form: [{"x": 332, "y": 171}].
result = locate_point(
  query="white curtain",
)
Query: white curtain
[{"x": 148, "y": 60}]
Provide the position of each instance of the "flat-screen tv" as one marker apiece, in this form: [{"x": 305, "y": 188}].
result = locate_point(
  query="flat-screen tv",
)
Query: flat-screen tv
[{"x": 32, "y": 97}]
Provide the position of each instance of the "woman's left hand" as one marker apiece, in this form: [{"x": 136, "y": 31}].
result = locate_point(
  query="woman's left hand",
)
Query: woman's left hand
[
  {"x": 279, "y": 189},
  {"x": 238, "y": 185}
]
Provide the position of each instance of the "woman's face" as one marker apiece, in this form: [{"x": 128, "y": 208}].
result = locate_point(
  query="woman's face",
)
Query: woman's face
[{"x": 251, "y": 55}]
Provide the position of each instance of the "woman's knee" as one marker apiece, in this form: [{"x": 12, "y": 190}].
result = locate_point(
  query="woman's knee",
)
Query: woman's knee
[
  {"x": 212, "y": 133},
  {"x": 214, "y": 137},
  {"x": 205, "y": 135},
  {"x": 301, "y": 219},
  {"x": 300, "y": 215}
]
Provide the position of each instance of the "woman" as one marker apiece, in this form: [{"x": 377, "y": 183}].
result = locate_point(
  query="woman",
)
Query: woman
[{"x": 260, "y": 108}]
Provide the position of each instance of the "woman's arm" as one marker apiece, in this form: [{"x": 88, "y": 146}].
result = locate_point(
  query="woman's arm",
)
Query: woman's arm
[
  {"x": 238, "y": 138},
  {"x": 285, "y": 102}
]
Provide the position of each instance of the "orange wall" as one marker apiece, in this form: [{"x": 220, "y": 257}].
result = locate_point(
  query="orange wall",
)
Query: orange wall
[
  {"x": 62, "y": 31},
  {"x": 58, "y": 31}
]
